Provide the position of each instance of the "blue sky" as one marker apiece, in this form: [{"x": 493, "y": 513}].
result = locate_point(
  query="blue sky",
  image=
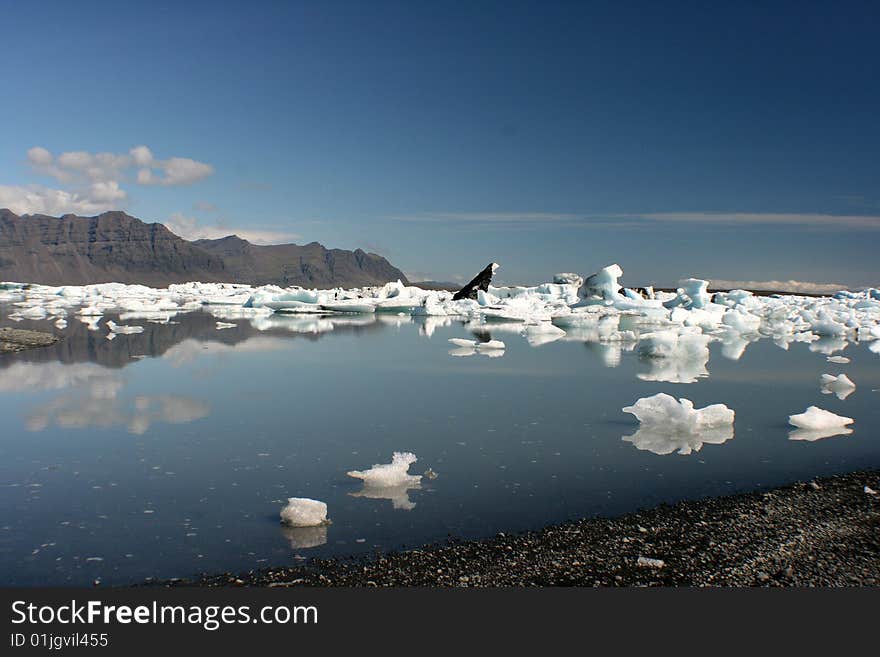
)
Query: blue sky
[{"x": 734, "y": 141}]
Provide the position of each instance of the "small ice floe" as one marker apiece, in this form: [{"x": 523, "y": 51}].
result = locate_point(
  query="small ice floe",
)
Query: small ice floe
[
  {"x": 816, "y": 423},
  {"x": 389, "y": 481},
  {"x": 118, "y": 328},
  {"x": 490, "y": 348},
  {"x": 225, "y": 325},
  {"x": 395, "y": 473},
  {"x": 675, "y": 355},
  {"x": 869, "y": 491},
  {"x": 842, "y": 360},
  {"x": 668, "y": 425},
  {"x": 61, "y": 323},
  {"x": 92, "y": 323},
  {"x": 304, "y": 512},
  {"x": 489, "y": 344},
  {"x": 841, "y": 385}
]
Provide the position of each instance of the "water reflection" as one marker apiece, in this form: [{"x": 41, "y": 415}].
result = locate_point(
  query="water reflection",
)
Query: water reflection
[
  {"x": 399, "y": 495},
  {"x": 302, "y": 538},
  {"x": 663, "y": 441},
  {"x": 811, "y": 435}
]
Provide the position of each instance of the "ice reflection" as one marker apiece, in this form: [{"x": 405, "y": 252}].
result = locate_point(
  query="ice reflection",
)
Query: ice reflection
[
  {"x": 811, "y": 435},
  {"x": 302, "y": 538},
  {"x": 663, "y": 441},
  {"x": 399, "y": 495}
]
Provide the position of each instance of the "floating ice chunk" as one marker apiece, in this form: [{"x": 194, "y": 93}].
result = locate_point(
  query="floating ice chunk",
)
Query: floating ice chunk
[
  {"x": 668, "y": 425},
  {"x": 92, "y": 323},
  {"x": 818, "y": 419},
  {"x": 117, "y": 328},
  {"x": 828, "y": 345},
  {"x": 675, "y": 356},
  {"x": 838, "y": 359},
  {"x": 347, "y": 306},
  {"x": 602, "y": 287},
  {"x": 741, "y": 321},
  {"x": 385, "y": 475},
  {"x": 61, "y": 323},
  {"x": 568, "y": 278},
  {"x": 489, "y": 345},
  {"x": 225, "y": 325},
  {"x": 842, "y": 385},
  {"x": 827, "y": 326},
  {"x": 304, "y": 512},
  {"x": 691, "y": 293}
]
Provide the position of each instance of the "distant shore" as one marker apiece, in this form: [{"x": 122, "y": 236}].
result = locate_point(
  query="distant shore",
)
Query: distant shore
[{"x": 820, "y": 533}]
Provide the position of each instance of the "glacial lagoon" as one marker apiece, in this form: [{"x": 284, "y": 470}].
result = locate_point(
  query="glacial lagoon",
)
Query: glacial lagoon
[{"x": 171, "y": 452}]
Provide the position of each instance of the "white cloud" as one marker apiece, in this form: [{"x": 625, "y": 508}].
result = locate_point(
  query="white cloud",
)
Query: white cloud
[
  {"x": 801, "y": 287},
  {"x": 82, "y": 166},
  {"x": 636, "y": 220},
  {"x": 871, "y": 222},
  {"x": 189, "y": 228},
  {"x": 36, "y": 199},
  {"x": 94, "y": 180},
  {"x": 488, "y": 217}
]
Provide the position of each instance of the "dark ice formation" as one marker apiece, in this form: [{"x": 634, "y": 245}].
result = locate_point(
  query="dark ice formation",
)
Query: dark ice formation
[{"x": 481, "y": 282}]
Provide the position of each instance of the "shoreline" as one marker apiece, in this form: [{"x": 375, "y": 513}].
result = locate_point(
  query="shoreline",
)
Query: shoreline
[{"x": 820, "y": 533}]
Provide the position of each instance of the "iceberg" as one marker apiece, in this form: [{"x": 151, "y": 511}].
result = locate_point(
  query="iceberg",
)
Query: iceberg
[
  {"x": 841, "y": 385},
  {"x": 818, "y": 420},
  {"x": 389, "y": 475},
  {"x": 668, "y": 425},
  {"x": 474, "y": 344},
  {"x": 675, "y": 356},
  {"x": 304, "y": 512}
]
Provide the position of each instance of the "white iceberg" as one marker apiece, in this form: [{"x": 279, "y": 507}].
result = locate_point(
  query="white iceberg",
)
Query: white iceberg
[
  {"x": 387, "y": 475},
  {"x": 675, "y": 356},
  {"x": 819, "y": 420},
  {"x": 304, "y": 512},
  {"x": 841, "y": 385},
  {"x": 668, "y": 425}
]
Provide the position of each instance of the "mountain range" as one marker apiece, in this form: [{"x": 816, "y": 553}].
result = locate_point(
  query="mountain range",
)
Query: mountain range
[{"x": 116, "y": 247}]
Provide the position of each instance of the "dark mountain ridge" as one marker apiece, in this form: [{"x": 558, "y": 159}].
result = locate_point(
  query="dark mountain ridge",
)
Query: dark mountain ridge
[{"x": 116, "y": 247}]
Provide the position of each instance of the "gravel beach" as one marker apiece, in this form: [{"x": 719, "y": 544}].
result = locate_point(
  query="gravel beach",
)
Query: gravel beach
[{"x": 820, "y": 533}]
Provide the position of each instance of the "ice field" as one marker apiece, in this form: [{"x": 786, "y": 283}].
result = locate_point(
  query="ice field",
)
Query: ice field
[{"x": 203, "y": 427}]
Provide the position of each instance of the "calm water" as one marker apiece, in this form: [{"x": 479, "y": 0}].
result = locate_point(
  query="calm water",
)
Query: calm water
[{"x": 170, "y": 453}]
